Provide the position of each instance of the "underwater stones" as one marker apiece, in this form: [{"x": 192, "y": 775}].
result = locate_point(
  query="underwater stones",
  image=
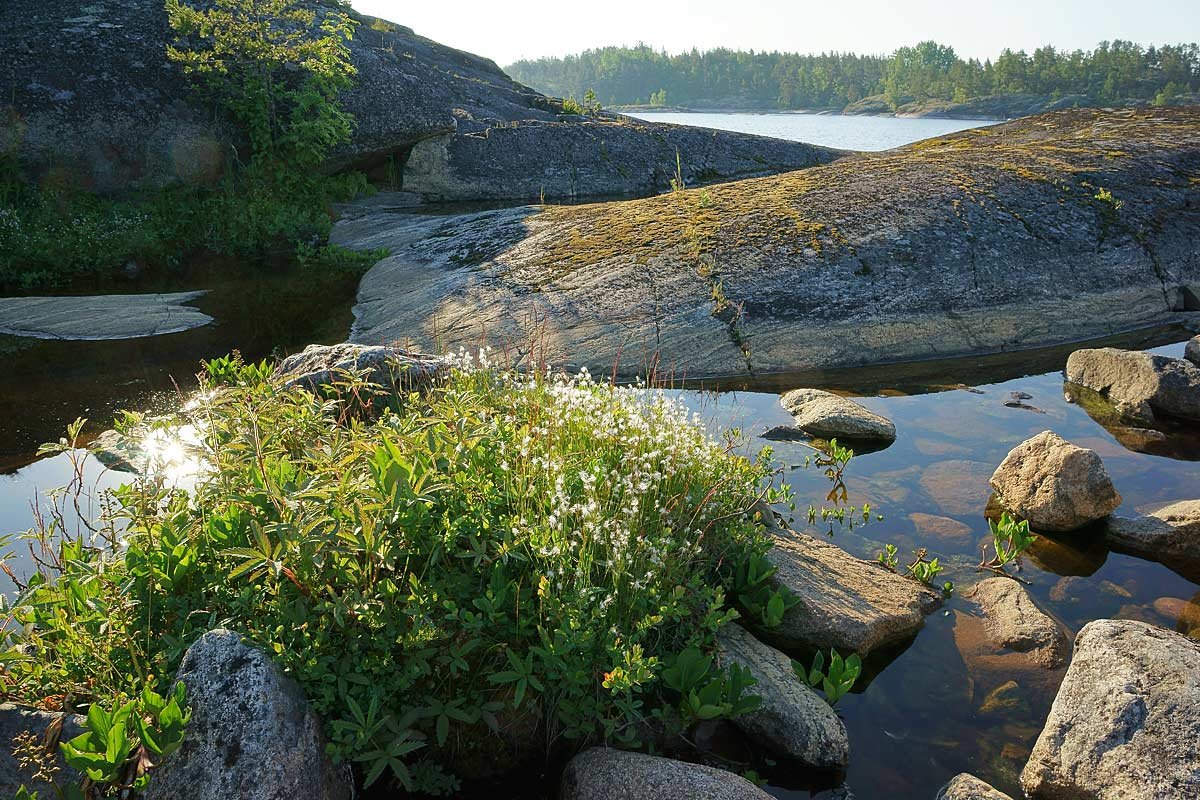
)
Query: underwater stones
[
  {"x": 1126, "y": 721},
  {"x": 391, "y": 368},
  {"x": 844, "y": 602},
  {"x": 605, "y": 774},
  {"x": 1140, "y": 385},
  {"x": 944, "y": 528},
  {"x": 828, "y": 416},
  {"x": 965, "y": 786},
  {"x": 1169, "y": 535},
  {"x": 1012, "y": 621},
  {"x": 1004, "y": 699},
  {"x": 958, "y": 487},
  {"x": 1183, "y": 614},
  {"x": 252, "y": 735},
  {"x": 1054, "y": 484},
  {"x": 793, "y": 720}
]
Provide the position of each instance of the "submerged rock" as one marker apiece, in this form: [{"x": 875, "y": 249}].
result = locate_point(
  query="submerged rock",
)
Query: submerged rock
[
  {"x": 393, "y": 369},
  {"x": 1014, "y": 622},
  {"x": 828, "y": 416},
  {"x": 959, "y": 487},
  {"x": 1140, "y": 385},
  {"x": 1055, "y": 485},
  {"x": 605, "y": 774},
  {"x": 948, "y": 530},
  {"x": 1126, "y": 720},
  {"x": 793, "y": 720},
  {"x": 47, "y": 728},
  {"x": 965, "y": 786},
  {"x": 1183, "y": 614},
  {"x": 252, "y": 735},
  {"x": 1169, "y": 535},
  {"x": 846, "y": 603}
]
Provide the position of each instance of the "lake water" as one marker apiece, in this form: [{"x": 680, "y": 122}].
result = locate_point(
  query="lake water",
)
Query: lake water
[{"x": 829, "y": 130}]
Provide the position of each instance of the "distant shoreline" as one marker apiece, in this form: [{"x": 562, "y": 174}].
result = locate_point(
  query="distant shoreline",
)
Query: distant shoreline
[{"x": 812, "y": 112}]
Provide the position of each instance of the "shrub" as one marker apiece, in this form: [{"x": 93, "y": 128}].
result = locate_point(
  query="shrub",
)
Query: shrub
[{"x": 502, "y": 551}]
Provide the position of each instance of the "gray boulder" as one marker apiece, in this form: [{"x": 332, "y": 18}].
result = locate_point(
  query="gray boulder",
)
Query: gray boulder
[
  {"x": 252, "y": 735},
  {"x": 845, "y": 603},
  {"x": 793, "y": 720},
  {"x": 604, "y": 774},
  {"x": 1126, "y": 721},
  {"x": 1013, "y": 621},
  {"x": 827, "y": 415},
  {"x": 391, "y": 368},
  {"x": 1140, "y": 385},
  {"x": 48, "y": 729},
  {"x": 1192, "y": 350},
  {"x": 1170, "y": 535},
  {"x": 965, "y": 786},
  {"x": 1054, "y": 484}
]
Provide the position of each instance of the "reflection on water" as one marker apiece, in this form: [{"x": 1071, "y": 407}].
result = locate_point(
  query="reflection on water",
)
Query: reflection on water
[{"x": 934, "y": 708}]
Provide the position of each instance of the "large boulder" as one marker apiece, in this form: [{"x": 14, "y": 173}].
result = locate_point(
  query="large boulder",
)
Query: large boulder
[
  {"x": 966, "y": 786},
  {"x": 390, "y": 368},
  {"x": 43, "y": 728},
  {"x": 604, "y": 774},
  {"x": 1126, "y": 721},
  {"x": 1012, "y": 621},
  {"x": 1170, "y": 535},
  {"x": 1191, "y": 350},
  {"x": 828, "y": 416},
  {"x": 1140, "y": 385},
  {"x": 252, "y": 735},
  {"x": 845, "y": 603},
  {"x": 793, "y": 720},
  {"x": 1055, "y": 485}
]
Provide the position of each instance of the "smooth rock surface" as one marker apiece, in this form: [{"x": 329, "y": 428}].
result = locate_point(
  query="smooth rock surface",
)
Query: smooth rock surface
[
  {"x": 252, "y": 735},
  {"x": 845, "y": 603},
  {"x": 965, "y": 786},
  {"x": 394, "y": 369},
  {"x": 1191, "y": 350},
  {"x": 793, "y": 720},
  {"x": 1140, "y": 385},
  {"x": 1126, "y": 721},
  {"x": 111, "y": 316},
  {"x": 828, "y": 416},
  {"x": 16, "y": 720},
  {"x": 1170, "y": 535},
  {"x": 1055, "y": 485},
  {"x": 605, "y": 774},
  {"x": 1014, "y": 622}
]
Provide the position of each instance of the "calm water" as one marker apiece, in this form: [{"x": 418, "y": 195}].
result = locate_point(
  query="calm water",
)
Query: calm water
[{"x": 847, "y": 133}]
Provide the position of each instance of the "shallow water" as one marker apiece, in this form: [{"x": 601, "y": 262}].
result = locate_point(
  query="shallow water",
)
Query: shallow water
[{"x": 829, "y": 130}]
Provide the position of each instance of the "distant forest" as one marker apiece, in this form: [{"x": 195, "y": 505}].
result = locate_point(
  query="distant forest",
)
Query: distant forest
[{"x": 1113, "y": 72}]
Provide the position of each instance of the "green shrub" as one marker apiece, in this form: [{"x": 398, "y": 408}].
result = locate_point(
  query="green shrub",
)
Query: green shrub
[{"x": 499, "y": 552}]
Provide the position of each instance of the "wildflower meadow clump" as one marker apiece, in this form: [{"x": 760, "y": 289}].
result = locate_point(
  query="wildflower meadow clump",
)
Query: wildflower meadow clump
[{"x": 502, "y": 567}]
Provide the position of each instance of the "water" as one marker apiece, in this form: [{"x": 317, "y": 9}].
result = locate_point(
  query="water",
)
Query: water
[{"x": 829, "y": 130}]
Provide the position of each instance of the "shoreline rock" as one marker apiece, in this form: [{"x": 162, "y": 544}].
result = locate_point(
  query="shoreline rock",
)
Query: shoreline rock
[
  {"x": 829, "y": 416},
  {"x": 1169, "y": 535},
  {"x": 389, "y": 368},
  {"x": 101, "y": 317},
  {"x": 606, "y": 774},
  {"x": 1140, "y": 385},
  {"x": 966, "y": 786}
]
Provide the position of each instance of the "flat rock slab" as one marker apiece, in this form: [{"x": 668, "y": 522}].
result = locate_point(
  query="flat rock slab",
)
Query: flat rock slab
[
  {"x": 1169, "y": 535},
  {"x": 100, "y": 317},
  {"x": 605, "y": 774},
  {"x": 1126, "y": 721},
  {"x": 846, "y": 603}
]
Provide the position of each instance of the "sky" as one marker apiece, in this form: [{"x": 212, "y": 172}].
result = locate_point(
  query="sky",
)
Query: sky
[{"x": 509, "y": 30}]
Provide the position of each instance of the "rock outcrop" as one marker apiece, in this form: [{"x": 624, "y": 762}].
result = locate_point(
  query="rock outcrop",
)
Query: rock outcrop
[
  {"x": 1191, "y": 351},
  {"x": 1126, "y": 720},
  {"x": 965, "y": 786},
  {"x": 604, "y": 774},
  {"x": 110, "y": 316},
  {"x": 389, "y": 368},
  {"x": 793, "y": 720},
  {"x": 967, "y": 243},
  {"x": 1170, "y": 535},
  {"x": 251, "y": 736},
  {"x": 1013, "y": 621},
  {"x": 1054, "y": 484},
  {"x": 1140, "y": 385},
  {"x": 845, "y": 603},
  {"x": 47, "y": 729},
  {"x": 828, "y": 416}
]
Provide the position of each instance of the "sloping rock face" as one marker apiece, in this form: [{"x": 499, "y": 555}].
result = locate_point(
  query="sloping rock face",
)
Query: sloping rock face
[
  {"x": 48, "y": 729},
  {"x": 965, "y": 786},
  {"x": 88, "y": 84},
  {"x": 1170, "y": 535},
  {"x": 828, "y": 415},
  {"x": 1014, "y": 622},
  {"x": 251, "y": 736},
  {"x": 845, "y": 603},
  {"x": 589, "y": 158},
  {"x": 1126, "y": 720},
  {"x": 792, "y": 720},
  {"x": 1054, "y": 484},
  {"x": 1139, "y": 384},
  {"x": 981, "y": 241},
  {"x": 603, "y": 774}
]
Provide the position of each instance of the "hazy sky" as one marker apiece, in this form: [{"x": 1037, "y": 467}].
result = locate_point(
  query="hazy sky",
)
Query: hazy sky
[{"x": 508, "y": 30}]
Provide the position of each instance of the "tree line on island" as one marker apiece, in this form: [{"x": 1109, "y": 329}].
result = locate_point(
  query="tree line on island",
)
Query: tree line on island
[{"x": 1114, "y": 72}]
